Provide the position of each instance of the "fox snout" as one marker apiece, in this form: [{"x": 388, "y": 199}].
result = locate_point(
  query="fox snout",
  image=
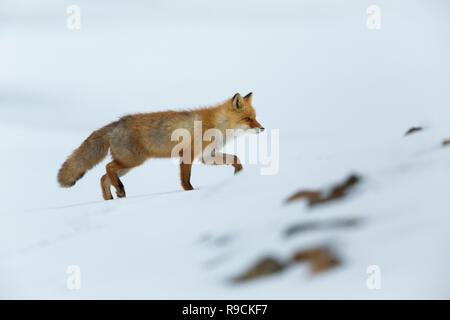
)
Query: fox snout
[{"x": 255, "y": 125}]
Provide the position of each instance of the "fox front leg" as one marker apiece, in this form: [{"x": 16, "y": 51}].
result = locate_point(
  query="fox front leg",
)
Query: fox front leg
[
  {"x": 218, "y": 158},
  {"x": 185, "y": 176}
]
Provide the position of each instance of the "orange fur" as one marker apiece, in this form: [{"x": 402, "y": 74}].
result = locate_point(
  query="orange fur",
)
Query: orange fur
[{"x": 135, "y": 138}]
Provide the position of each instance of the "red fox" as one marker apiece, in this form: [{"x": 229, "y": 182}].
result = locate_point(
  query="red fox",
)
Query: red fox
[{"x": 135, "y": 138}]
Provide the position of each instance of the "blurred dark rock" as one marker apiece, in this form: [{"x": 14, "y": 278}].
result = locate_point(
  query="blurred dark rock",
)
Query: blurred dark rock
[
  {"x": 412, "y": 130},
  {"x": 265, "y": 266},
  {"x": 316, "y": 196},
  {"x": 330, "y": 224},
  {"x": 320, "y": 259}
]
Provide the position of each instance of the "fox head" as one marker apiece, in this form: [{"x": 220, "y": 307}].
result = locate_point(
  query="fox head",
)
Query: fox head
[{"x": 242, "y": 115}]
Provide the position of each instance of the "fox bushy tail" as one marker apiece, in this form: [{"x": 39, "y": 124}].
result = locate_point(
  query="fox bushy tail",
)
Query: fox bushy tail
[{"x": 93, "y": 150}]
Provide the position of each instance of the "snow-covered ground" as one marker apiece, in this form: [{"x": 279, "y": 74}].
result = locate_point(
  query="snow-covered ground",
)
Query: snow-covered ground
[{"x": 341, "y": 95}]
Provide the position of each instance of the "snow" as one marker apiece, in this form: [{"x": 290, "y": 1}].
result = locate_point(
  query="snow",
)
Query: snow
[{"x": 342, "y": 97}]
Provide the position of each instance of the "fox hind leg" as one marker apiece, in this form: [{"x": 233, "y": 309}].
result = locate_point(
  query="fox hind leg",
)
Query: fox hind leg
[
  {"x": 106, "y": 184},
  {"x": 106, "y": 187},
  {"x": 115, "y": 169}
]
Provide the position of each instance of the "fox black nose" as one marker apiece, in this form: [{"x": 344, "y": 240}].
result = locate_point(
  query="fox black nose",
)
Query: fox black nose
[{"x": 262, "y": 129}]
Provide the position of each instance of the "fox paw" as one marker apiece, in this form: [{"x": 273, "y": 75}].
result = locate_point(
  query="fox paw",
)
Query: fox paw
[
  {"x": 188, "y": 187},
  {"x": 121, "y": 194},
  {"x": 237, "y": 168}
]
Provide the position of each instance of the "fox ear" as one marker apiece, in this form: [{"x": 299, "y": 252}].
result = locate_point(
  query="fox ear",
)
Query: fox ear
[
  {"x": 249, "y": 97},
  {"x": 237, "y": 101}
]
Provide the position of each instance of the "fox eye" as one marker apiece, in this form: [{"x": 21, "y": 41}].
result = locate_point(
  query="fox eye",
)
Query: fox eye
[{"x": 248, "y": 119}]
